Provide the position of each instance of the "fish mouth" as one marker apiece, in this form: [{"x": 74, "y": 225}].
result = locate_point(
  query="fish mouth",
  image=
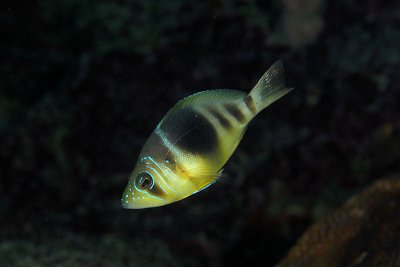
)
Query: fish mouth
[
  {"x": 136, "y": 206},
  {"x": 131, "y": 206},
  {"x": 140, "y": 204},
  {"x": 125, "y": 205}
]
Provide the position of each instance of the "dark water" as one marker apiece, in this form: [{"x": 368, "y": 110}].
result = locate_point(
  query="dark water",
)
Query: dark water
[{"x": 83, "y": 84}]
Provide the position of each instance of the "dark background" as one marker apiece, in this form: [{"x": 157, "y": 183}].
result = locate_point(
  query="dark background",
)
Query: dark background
[{"x": 83, "y": 84}]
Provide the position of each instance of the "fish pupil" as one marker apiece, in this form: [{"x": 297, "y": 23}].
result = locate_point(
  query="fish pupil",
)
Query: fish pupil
[{"x": 145, "y": 182}]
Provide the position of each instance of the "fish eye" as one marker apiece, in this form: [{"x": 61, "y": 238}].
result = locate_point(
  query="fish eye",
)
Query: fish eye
[{"x": 144, "y": 181}]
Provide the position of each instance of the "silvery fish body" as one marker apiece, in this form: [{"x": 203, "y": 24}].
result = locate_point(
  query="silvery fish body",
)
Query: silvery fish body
[{"x": 189, "y": 147}]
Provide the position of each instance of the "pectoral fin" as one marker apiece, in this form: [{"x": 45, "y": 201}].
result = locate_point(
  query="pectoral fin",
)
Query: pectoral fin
[{"x": 205, "y": 181}]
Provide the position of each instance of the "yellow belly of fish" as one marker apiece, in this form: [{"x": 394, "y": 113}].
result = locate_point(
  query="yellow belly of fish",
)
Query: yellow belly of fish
[{"x": 208, "y": 166}]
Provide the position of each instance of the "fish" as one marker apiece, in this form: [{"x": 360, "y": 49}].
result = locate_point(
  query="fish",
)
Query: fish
[{"x": 189, "y": 147}]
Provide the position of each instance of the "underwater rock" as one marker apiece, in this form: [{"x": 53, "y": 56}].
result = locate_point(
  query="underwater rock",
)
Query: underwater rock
[{"x": 365, "y": 231}]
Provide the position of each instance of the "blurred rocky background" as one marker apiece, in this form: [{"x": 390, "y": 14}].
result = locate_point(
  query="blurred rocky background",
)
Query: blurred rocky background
[{"x": 83, "y": 84}]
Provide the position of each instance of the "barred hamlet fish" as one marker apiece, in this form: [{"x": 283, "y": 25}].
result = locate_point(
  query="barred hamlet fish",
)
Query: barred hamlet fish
[{"x": 191, "y": 144}]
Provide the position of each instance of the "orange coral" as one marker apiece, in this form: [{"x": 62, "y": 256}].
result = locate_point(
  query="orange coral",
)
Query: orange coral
[{"x": 365, "y": 231}]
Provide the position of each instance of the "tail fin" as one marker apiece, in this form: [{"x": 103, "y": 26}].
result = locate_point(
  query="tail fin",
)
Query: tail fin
[{"x": 269, "y": 88}]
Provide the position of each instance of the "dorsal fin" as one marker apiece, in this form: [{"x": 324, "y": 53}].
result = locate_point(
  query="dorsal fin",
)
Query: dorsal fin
[{"x": 210, "y": 96}]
